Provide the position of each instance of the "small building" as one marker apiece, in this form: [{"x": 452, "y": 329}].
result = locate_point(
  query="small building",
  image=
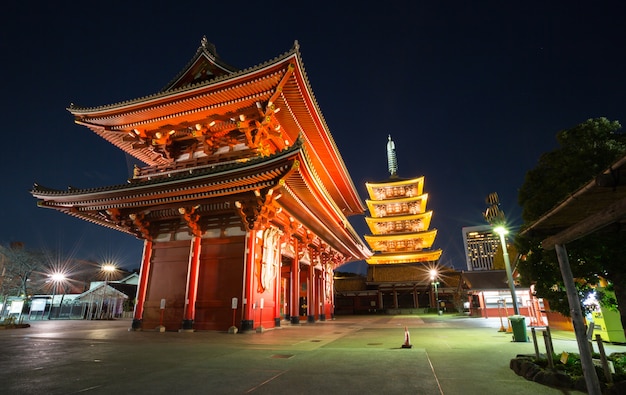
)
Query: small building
[
  {"x": 104, "y": 301},
  {"x": 489, "y": 296},
  {"x": 398, "y": 289}
]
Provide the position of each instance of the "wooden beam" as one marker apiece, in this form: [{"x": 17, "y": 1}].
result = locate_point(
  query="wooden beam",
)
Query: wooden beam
[{"x": 596, "y": 221}]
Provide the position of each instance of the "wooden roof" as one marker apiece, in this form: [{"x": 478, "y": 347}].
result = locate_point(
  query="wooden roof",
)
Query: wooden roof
[
  {"x": 597, "y": 204},
  {"x": 266, "y": 107},
  {"x": 415, "y": 274},
  {"x": 388, "y": 205},
  {"x": 419, "y": 240},
  {"x": 485, "y": 280},
  {"x": 288, "y": 174},
  {"x": 405, "y": 257},
  {"x": 422, "y": 218},
  {"x": 400, "y": 229},
  {"x": 416, "y": 184}
]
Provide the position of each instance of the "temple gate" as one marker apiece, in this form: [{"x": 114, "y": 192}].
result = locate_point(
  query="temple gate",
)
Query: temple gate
[{"x": 243, "y": 195}]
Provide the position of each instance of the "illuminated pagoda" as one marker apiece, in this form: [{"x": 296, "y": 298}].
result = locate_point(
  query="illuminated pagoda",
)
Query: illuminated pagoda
[
  {"x": 399, "y": 221},
  {"x": 242, "y": 203},
  {"x": 401, "y": 239}
]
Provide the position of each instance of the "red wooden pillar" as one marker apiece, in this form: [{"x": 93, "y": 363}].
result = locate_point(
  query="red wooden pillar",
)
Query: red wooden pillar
[
  {"x": 247, "y": 319},
  {"x": 192, "y": 283},
  {"x": 332, "y": 293},
  {"x": 143, "y": 285},
  {"x": 295, "y": 286},
  {"x": 320, "y": 296},
  {"x": 323, "y": 300},
  {"x": 311, "y": 307},
  {"x": 277, "y": 287}
]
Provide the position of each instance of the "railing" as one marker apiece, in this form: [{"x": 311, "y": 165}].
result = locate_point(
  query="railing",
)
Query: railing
[{"x": 190, "y": 164}]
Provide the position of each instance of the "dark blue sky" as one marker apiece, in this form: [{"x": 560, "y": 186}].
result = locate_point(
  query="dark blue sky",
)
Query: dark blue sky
[{"x": 472, "y": 94}]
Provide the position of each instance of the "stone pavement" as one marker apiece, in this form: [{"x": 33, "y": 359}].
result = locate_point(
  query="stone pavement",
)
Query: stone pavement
[{"x": 348, "y": 355}]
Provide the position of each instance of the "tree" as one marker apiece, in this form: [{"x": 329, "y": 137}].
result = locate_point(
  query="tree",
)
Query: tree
[
  {"x": 585, "y": 151},
  {"x": 19, "y": 265}
]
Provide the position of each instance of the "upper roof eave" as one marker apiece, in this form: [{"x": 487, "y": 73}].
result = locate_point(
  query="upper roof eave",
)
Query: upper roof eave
[
  {"x": 325, "y": 154},
  {"x": 159, "y": 96},
  {"x": 42, "y": 192}
]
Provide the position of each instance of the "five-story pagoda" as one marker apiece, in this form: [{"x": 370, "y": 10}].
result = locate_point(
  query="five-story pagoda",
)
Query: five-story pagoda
[
  {"x": 399, "y": 221},
  {"x": 401, "y": 239}
]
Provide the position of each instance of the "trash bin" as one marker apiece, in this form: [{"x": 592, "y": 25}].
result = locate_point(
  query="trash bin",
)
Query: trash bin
[{"x": 518, "y": 323}]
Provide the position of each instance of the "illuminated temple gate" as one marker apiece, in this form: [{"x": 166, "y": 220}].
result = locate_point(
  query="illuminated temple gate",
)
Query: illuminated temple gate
[{"x": 244, "y": 195}]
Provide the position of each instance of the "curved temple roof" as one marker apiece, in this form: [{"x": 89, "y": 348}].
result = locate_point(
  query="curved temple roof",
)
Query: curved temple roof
[
  {"x": 215, "y": 132},
  {"x": 231, "y": 108}
]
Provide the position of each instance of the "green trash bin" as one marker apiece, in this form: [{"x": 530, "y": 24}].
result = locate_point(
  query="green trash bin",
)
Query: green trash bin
[{"x": 518, "y": 324}]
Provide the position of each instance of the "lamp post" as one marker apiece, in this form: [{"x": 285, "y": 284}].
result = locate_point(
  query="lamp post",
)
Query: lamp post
[
  {"x": 495, "y": 217},
  {"x": 108, "y": 269},
  {"x": 435, "y": 284},
  {"x": 56, "y": 279},
  {"x": 502, "y": 231}
]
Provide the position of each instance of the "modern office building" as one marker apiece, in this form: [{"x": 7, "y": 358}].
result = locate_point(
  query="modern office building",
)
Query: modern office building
[{"x": 481, "y": 245}]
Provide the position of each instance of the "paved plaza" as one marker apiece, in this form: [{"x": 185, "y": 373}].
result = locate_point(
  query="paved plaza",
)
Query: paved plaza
[{"x": 348, "y": 355}]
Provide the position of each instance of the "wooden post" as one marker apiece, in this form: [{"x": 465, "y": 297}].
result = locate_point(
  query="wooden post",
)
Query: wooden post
[
  {"x": 534, "y": 334},
  {"x": 247, "y": 312},
  {"x": 605, "y": 362},
  {"x": 143, "y": 285},
  {"x": 549, "y": 355},
  {"x": 589, "y": 372},
  {"x": 192, "y": 283},
  {"x": 295, "y": 286}
]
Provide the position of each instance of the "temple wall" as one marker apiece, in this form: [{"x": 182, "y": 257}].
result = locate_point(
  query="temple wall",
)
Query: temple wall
[
  {"x": 168, "y": 280},
  {"x": 220, "y": 280},
  {"x": 231, "y": 267}
]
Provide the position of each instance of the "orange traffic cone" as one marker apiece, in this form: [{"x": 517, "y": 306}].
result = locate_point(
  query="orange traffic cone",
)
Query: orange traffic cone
[{"x": 407, "y": 339}]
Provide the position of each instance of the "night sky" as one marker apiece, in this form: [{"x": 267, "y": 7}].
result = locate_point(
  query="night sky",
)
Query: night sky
[{"x": 472, "y": 94}]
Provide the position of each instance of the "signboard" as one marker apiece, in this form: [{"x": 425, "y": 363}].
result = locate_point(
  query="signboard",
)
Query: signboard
[
  {"x": 38, "y": 305},
  {"x": 16, "y": 307}
]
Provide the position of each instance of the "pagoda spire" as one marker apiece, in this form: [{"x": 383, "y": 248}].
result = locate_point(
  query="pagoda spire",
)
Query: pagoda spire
[{"x": 392, "y": 161}]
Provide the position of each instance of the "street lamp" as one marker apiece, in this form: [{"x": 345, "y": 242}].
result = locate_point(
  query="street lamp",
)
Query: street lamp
[
  {"x": 56, "y": 279},
  {"x": 502, "y": 231},
  {"x": 108, "y": 269},
  {"x": 495, "y": 217},
  {"x": 433, "y": 276}
]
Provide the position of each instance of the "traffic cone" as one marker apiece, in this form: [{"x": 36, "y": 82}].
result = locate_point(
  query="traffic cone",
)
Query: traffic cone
[{"x": 407, "y": 339}]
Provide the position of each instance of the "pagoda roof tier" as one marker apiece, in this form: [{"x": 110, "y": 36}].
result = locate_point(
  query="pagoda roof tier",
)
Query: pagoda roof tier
[
  {"x": 210, "y": 107},
  {"x": 215, "y": 193},
  {"x": 395, "y": 188},
  {"x": 401, "y": 224},
  {"x": 402, "y": 242},
  {"x": 395, "y": 207},
  {"x": 404, "y": 257}
]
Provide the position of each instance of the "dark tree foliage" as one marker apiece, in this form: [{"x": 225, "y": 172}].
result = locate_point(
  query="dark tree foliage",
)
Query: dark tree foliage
[{"x": 585, "y": 151}]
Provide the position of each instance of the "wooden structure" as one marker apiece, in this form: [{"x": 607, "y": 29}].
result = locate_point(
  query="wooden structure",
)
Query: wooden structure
[
  {"x": 599, "y": 205},
  {"x": 399, "y": 221},
  {"x": 243, "y": 202},
  {"x": 490, "y": 296},
  {"x": 401, "y": 239}
]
